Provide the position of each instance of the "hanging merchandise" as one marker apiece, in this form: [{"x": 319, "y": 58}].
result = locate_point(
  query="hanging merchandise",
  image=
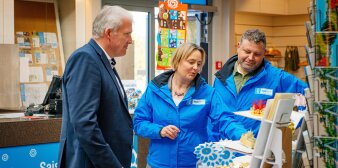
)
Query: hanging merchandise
[
  {"x": 291, "y": 58},
  {"x": 172, "y": 21}
]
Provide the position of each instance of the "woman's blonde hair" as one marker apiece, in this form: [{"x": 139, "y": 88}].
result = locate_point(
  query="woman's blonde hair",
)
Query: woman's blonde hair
[{"x": 183, "y": 52}]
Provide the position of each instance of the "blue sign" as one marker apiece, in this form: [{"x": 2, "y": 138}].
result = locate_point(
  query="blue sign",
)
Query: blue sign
[
  {"x": 41, "y": 155},
  {"x": 199, "y": 2}
]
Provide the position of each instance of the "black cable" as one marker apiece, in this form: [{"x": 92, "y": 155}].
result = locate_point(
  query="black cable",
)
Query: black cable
[{"x": 203, "y": 23}]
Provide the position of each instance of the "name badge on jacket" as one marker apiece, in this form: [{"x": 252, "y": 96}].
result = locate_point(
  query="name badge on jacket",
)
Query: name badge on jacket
[
  {"x": 198, "y": 101},
  {"x": 264, "y": 91}
]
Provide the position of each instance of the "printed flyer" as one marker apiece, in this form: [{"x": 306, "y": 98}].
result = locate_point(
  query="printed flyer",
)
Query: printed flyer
[{"x": 172, "y": 20}]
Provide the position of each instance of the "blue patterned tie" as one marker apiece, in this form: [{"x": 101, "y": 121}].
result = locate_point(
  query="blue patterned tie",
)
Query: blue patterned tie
[{"x": 113, "y": 62}]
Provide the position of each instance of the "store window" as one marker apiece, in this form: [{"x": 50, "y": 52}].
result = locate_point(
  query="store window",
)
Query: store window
[{"x": 133, "y": 68}]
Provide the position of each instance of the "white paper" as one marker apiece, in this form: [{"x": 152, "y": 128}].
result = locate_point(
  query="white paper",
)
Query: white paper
[
  {"x": 11, "y": 115},
  {"x": 30, "y": 57},
  {"x": 20, "y": 40},
  {"x": 37, "y": 57},
  {"x": 36, "y": 42},
  {"x": 34, "y": 93},
  {"x": 296, "y": 117},
  {"x": 35, "y": 74},
  {"x": 51, "y": 39},
  {"x": 52, "y": 57},
  {"x": 44, "y": 58},
  {"x": 50, "y": 72},
  {"x": 235, "y": 145},
  {"x": 24, "y": 69}
]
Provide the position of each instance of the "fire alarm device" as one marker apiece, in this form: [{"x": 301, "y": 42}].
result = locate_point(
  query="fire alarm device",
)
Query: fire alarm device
[{"x": 218, "y": 65}]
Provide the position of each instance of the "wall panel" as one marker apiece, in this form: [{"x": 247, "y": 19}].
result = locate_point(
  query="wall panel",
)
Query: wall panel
[
  {"x": 8, "y": 21},
  {"x": 253, "y": 19},
  {"x": 290, "y": 20}
]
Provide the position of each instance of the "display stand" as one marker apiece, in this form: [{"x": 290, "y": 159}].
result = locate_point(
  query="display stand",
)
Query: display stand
[
  {"x": 320, "y": 136},
  {"x": 269, "y": 147},
  {"x": 298, "y": 159},
  {"x": 273, "y": 146}
]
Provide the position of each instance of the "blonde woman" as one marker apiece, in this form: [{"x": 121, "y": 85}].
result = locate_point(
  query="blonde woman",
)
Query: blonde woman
[{"x": 174, "y": 111}]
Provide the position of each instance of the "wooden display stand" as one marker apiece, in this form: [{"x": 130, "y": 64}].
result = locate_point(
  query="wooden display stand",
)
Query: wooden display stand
[{"x": 274, "y": 136}]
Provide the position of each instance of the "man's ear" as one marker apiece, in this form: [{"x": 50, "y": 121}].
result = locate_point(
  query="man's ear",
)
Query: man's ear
[
  {"x": 107, "y": 32},
  {"x": 238, "y": 44},
  {"x": 237, "y": 47}
]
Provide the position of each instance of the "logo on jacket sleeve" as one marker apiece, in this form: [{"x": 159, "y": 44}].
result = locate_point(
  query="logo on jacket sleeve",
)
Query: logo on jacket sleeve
[{"x": 264, "y": 91}]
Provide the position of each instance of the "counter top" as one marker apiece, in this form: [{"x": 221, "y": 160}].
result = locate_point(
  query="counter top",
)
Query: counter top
[{"x": 19, "y": 131}]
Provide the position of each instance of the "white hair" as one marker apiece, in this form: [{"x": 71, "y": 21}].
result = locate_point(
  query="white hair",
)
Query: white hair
[{"x": 109, "y": 17}]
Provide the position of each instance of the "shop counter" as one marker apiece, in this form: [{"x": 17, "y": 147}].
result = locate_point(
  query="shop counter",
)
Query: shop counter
[
  {"x": 21, "y": 131},
  {"x": 33, "y": 142},
  {"x": 29, "y": 141}
]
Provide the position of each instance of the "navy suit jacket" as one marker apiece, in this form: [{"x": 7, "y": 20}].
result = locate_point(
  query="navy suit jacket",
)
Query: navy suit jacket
[{"x": 96, "y": 125}]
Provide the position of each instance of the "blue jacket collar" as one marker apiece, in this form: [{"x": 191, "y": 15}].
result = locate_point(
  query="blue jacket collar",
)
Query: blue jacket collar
[
  {"x": 228, "y": 69},
  {"x": 163, "y": 79}
]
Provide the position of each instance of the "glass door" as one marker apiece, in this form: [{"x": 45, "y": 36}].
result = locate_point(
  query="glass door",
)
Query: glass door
[
  {"x": 135, "y": 68},
  {"x": 132, "y": 68}
]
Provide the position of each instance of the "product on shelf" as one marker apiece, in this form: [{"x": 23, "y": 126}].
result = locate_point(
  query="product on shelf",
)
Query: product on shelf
[
  {"x": 325, "y": 152},
  {"x": 248, "y": 139},
  {"x": 235, "y": 165},
  {"x": 326, "y": 119},
  {"x": 222, "y": 154},
  {"x": 257, "y": 108},
  {"x": 292, "y": 127}
]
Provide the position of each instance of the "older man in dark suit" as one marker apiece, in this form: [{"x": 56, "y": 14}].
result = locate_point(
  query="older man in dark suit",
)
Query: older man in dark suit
[{"x": 96, "y": 125}]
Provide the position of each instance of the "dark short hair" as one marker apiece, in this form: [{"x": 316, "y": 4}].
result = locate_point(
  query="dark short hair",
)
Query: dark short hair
[{"x": 254, "y": 35}]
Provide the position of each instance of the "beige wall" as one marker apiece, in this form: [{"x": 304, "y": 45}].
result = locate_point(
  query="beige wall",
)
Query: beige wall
[
  {"x": 274, "y": 7},
  {"x": 9, "y": 70},
  {"x": 67, "y": 24},
  {"x": 223, "y": 34},
  {"x": 76, "y": 17},
  {"x": 7, "y": 22}
]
